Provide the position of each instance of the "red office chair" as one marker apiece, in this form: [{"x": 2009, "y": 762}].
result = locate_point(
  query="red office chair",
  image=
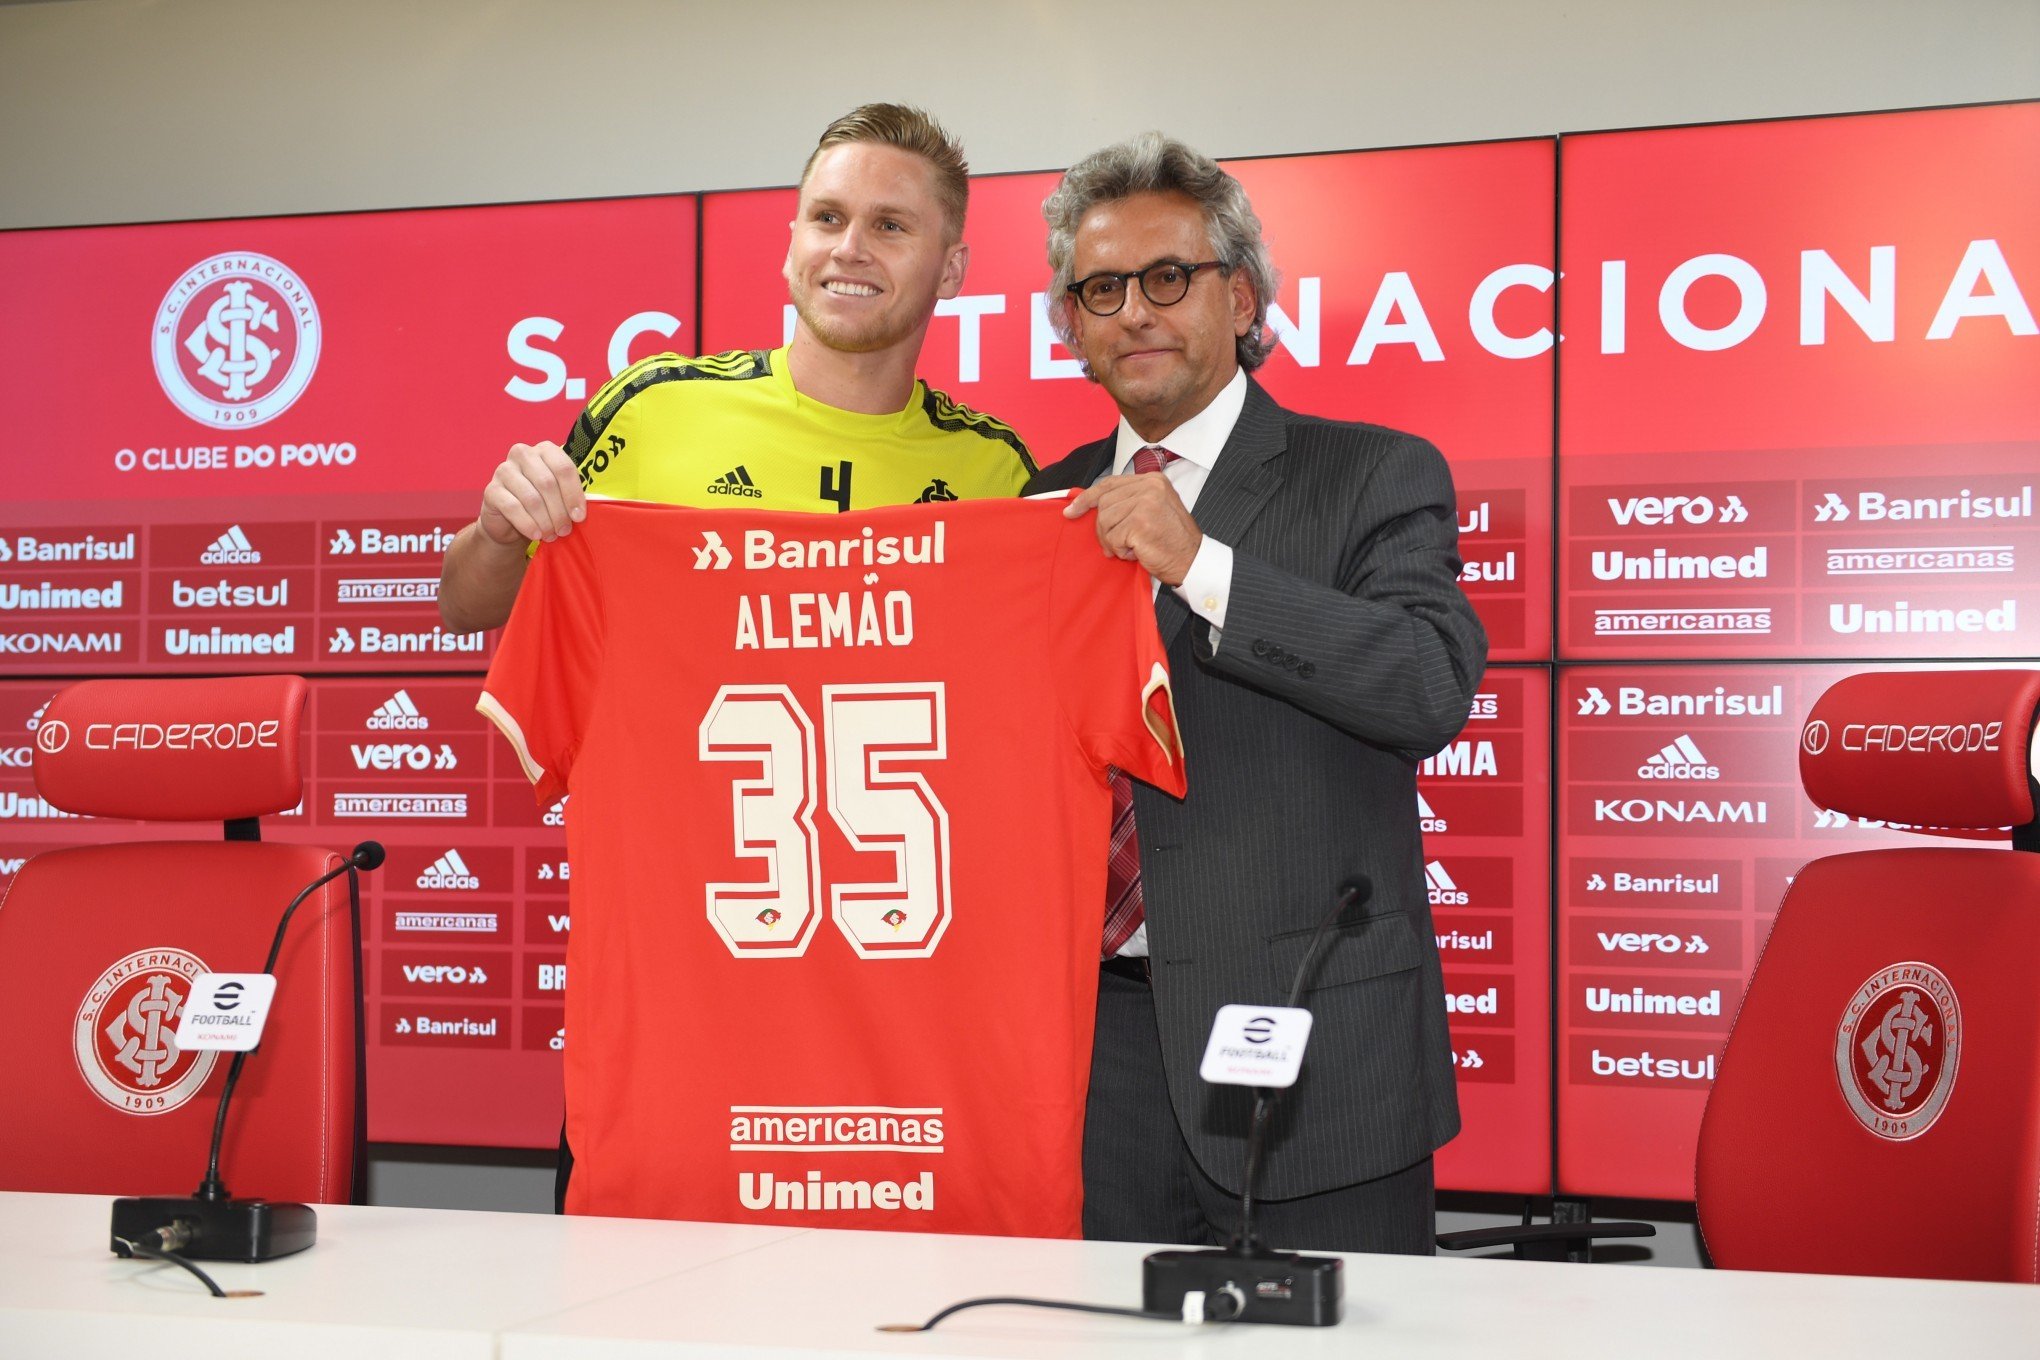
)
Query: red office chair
[
  {"x": 97, "y": 944},
  {"x": 1877, "y": 1110}
]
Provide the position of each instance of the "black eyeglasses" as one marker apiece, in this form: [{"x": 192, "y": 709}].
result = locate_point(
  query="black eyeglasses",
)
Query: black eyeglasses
[{"x": 1163, "y": 284}]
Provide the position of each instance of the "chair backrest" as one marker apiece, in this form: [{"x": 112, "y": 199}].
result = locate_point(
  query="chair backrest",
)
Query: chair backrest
[
  {"x": 1877, "y": 1110},
  {"x": 98, "y": 944}
]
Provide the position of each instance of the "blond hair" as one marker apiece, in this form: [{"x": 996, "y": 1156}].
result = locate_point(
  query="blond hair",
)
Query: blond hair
[{"x": 909, "y": 129}]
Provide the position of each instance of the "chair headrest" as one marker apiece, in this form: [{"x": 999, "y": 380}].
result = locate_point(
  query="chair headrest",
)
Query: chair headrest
[
  {"x": 1950, "y": 749},
  {"x": 173, "y": 750}
]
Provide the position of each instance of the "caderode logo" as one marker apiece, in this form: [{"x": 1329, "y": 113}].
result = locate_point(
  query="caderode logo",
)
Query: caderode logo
[
  {"x": 236, "y": 340},
  {"x": 1897, "y": 1049},
  {"x": 52, "y": 736},
  {"x": 1814, "y": 739},
  {"x": 124, "y": 1039}
]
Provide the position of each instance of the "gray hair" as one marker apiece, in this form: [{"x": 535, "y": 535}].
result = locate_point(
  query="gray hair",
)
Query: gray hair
[{"x": 1154, "y": 164}]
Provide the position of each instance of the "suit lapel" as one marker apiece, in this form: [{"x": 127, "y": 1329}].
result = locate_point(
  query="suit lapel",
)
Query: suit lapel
[{"x": 1241, "y": 482}]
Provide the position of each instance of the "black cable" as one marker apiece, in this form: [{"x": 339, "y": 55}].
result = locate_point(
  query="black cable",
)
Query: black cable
[
  {"x": 367, "y": 855},
  {"x": 177, "y": 1235},
  {"x": 1154, "y": 1314}
]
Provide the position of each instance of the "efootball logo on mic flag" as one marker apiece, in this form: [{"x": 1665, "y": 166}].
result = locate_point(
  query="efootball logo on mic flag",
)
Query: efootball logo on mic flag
[
  {"x": 125, "y": 1035},
  {"x": 236, "y": 340},
  {"x": 1897, "y": 1049}
]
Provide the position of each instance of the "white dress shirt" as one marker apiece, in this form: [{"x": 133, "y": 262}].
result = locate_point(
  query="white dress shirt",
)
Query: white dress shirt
[{"x": 1197, "y": 442}]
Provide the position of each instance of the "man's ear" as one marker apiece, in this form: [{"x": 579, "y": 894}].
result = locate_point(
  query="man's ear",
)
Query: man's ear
[
  {"x": 953, "y": 270},
  {"x": 1241, "y": 288}
]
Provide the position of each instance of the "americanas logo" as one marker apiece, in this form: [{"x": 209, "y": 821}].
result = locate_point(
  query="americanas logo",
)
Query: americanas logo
[
  {"x": 236, "y": 340},
  {"x": 124, "y": 1034},
  {"x": 1897, "y": 1048}
]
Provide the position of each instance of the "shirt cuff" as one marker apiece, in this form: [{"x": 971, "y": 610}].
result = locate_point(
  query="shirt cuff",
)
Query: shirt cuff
[{"x": 1208, "y": 583}]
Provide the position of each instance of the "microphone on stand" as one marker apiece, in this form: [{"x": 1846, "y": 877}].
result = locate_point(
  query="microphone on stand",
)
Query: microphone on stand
[
  {"x": 1261, "y": 1284},
  {"x": 211, "y": 1225}
]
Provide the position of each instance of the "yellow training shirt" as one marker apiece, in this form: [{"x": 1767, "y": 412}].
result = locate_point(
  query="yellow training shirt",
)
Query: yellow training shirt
[{"x": 729, "y": 429}]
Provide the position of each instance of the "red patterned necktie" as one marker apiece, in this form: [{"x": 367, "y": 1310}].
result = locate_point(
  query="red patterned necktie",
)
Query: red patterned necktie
[{"x": 1123, "y": 907}]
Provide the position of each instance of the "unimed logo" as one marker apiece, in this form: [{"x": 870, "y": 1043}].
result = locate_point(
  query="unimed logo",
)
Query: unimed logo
[{"x": 759, "y": 1190}]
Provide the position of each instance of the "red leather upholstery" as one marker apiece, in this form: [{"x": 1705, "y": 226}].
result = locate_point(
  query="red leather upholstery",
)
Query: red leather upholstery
[
  {"x": 173, "y": 750},
  {"x": 97, "y": 943},
  {"x": 1877, "y": 1109},
  {"x": 1924, "y": 748}
]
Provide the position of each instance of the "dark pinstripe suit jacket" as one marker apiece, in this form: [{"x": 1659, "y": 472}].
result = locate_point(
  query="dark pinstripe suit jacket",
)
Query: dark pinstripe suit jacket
[{"x": 1349, "y": 653}]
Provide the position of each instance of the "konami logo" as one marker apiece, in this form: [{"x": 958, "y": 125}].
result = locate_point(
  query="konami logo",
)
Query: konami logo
[{"x": 1647, "y": 810}]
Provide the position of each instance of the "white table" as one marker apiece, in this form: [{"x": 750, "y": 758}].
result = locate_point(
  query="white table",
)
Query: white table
[{"x": 388, "y": 1284}]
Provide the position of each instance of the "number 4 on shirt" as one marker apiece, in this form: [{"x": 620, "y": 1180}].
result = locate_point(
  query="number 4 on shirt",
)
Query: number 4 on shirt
[{"x": 869, "y": 731}]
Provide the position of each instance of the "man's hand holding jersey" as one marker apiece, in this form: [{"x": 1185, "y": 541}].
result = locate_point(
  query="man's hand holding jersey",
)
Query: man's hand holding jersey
[
  {"x": 534, "y": 495},
  {"x": 1142, "y": 519}
]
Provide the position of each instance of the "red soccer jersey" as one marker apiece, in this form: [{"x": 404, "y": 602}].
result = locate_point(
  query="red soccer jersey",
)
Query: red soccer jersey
[{"x": 838, "y": 835}]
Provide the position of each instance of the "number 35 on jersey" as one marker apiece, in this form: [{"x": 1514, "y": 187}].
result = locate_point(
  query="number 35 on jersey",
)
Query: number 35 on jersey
[{"x": 868, "y": 766}]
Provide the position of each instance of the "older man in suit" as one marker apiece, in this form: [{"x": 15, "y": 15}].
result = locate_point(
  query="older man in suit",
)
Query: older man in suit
[{"x": 1307, "y": 590}]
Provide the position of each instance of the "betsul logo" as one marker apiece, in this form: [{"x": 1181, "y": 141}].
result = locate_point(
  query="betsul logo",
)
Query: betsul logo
[
  {"x": 236, "y": 340},
  {"x": 1814, "y": 739},
  {"x": 124, "y": 1036},
  {"x": 1897, "y": 1049}
]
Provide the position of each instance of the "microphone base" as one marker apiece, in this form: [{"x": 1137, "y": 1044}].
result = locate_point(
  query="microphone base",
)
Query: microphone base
[
  {"x": 1279, "y": 1286},
  {"x": 221, "y": 1230}
]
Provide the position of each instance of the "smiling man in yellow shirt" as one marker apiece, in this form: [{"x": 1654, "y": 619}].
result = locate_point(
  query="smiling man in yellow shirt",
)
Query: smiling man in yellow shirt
[{"x": 833, "y": 421}]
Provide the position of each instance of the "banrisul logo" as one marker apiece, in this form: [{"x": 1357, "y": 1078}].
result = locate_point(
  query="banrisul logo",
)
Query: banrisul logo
[{"x": 236, "y": 340}]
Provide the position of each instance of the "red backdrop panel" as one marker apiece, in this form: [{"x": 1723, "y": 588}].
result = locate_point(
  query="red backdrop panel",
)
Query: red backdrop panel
[
  {"x": 1486, "y": 810},
  {"x": 1800, "y": 398},
  {"x": 1681, "y": 822}
]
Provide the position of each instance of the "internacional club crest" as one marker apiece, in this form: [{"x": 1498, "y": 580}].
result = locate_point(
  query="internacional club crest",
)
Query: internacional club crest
[
  {"x": 124, "y": 1037},
  {"x": 1897, "y": 1049},
  {"x": 236, "y": 340}
]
